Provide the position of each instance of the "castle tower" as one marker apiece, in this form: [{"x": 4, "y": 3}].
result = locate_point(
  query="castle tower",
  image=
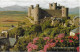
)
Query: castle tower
[
  {"x": 29, "y": 11},
  {"x": 64, "y": 12},
  {"x": 36, "y": 14},
  {"x": 50, "y": 6},
  {"x": 32, "y": 7},
  {"x": 54, "y": 6}
]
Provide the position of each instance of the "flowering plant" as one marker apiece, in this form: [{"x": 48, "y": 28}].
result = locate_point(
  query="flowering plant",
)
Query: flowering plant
[{"x": 43, "y": 44}]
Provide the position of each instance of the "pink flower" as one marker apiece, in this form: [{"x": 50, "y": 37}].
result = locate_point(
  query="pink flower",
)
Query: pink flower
[
  {"x": 56, "y": 41},
  {"x": 60, "y": 36},
  {"x": 55, "y": 38},
  {"x": 46, "y": 38},
  {"x": 51, "y": 40},
  {"x": 34, "y": 46},
  {"x": 52, "y": 44},
  {"x": 41, "y": 51},
  {"x": 77, "y": 49},
  {"x": 29, "y": 49},
  {"x": 29, "y": 44},
  {"x": 70, "y": 41},
  {"x": 35, "y": 40},
  {"x": 49, "y": 45},
  {"x": 62, "y": 41},
  {"x": 46, "y": 47}
]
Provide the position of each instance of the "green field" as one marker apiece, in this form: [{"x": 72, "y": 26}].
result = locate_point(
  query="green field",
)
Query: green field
[{"x": 8, "y": 18}]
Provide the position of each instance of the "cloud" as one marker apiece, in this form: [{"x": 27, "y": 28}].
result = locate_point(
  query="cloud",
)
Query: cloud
[{"x": 43, "y": 3}]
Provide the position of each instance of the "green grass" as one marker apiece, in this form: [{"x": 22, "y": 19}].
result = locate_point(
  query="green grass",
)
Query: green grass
[{"x": 14, "y": 16}]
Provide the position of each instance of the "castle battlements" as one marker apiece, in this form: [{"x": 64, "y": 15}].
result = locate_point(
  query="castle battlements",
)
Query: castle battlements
[{"x": 54, "y": 11}]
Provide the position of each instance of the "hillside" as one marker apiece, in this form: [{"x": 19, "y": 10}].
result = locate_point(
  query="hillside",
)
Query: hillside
[
  {"x": 74, "y": 10},
  {"x": 14, "y": 8}
]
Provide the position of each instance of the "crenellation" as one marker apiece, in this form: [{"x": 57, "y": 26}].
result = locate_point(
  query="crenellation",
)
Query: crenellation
[
  {"x": 54, "y": 11},
  {"x": 54, "y": 6},
  {"x": 32, "y": 7},
  {"x": 29, "y": 11},
  {"x": 37, "y": 5},
  {"x": 50, "y": 6}
]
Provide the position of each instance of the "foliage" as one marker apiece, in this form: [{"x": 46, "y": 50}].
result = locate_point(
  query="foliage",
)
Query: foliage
[
  {"x": 60, "y": 41},
  {"x": 16, "y": 31}
]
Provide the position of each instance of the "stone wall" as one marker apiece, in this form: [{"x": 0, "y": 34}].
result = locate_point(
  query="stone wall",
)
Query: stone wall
[{"x": 54, "y": 11}]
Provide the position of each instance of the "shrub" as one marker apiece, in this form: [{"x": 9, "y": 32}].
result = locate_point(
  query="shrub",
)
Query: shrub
[{"x": 46, "y": 25}]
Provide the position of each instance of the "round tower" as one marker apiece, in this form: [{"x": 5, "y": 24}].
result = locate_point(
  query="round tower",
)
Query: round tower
[
  {"x": 50, "y": 6},
  {"x": 64, "y": 12},
  {"x": 36, "y": 14},
  {"x": 32, "y": 7},
  {"x": 54, "y": 6},
  {"x": 29, "y": 12}
]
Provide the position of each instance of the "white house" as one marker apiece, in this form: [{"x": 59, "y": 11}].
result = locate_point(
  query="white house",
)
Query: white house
[{"x": 74, "y": 31}]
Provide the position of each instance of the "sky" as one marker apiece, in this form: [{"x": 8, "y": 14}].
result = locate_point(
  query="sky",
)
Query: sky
[{"x": 43, "y": 3}]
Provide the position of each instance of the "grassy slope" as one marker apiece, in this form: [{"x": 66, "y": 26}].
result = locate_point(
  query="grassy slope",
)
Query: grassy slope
[{"x": 15, "y": 16}]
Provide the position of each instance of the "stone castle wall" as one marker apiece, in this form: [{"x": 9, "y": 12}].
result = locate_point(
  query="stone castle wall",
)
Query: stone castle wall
[{"x": 54, "y": 11}]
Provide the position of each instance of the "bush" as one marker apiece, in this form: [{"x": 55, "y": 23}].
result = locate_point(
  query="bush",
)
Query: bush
[
  {"x": 16, "y": 31},
  {"x": 46, "y": 25},
  {"x": 36, "y": 28}
]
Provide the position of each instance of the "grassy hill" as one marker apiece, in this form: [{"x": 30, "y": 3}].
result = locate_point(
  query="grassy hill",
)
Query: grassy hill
[
  {"x": 74, "y": 11},
  {"x": 8, "y": 18}
]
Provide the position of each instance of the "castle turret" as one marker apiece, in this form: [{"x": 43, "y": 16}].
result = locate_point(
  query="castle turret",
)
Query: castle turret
[
  {"x": 29, "y": 11},
  {"x": 36, "y": 14},
  {"x": 54, "y": 6},
  {"x": 64, "y": 12},
  {"x": 50, "y": 6},
  {"x": 32, "y": 7}
]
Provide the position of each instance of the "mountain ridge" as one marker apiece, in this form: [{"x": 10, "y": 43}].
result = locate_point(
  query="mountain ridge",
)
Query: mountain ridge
[{"x": 25, "y": 8}]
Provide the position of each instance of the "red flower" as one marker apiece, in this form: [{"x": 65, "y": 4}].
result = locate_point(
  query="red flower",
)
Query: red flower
[
  {"x": 77, "y": 49},
  {"x": 70, "y": 37},
  {"x": 56, "y": 41},
  {"x": 77, "y": 33},
  {"x": 70, "y": 41},
  {"x": 75, "y": 37},
  {"x": 62, "y": 41}
]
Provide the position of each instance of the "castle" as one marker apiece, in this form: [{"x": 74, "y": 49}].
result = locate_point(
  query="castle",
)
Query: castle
[{"x": 54, "y": 11}]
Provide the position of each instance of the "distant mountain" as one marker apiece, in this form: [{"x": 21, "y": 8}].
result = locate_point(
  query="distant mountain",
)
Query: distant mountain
[
  {"x": 14, "y": 8},
  {"x": 1, "y": 9},
  {"x": 25, "y": 8},
  {"x": 74, "y": 10}
]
